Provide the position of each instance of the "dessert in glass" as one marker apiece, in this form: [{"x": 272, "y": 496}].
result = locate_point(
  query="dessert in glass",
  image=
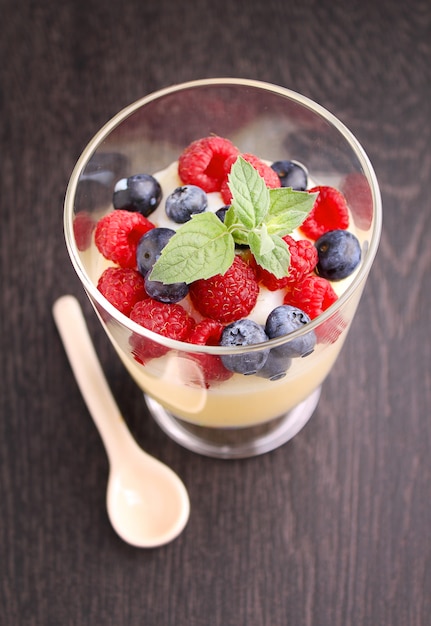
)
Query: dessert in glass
[{"x": 223, "y": 230}]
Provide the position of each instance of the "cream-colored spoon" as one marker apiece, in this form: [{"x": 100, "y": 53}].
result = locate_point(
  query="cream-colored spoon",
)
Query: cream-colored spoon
[{"x": 147, "y": 503}]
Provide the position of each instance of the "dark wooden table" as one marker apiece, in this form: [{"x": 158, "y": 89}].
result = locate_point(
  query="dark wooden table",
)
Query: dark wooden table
[{"x": 332, "y": 529}]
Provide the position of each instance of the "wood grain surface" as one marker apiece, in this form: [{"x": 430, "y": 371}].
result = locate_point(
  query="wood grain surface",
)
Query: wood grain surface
[{"x": 332, "y": 529}]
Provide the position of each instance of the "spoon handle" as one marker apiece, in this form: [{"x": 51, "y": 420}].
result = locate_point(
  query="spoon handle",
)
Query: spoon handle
[{"x": 88, "y": 373}]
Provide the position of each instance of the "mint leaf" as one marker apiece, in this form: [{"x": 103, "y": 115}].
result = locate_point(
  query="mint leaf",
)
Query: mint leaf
[
  {"x": 250, "y": 195},
  {"x": 260, "y": 242},
  {"x": 287, "y": 209},
  {"x": 236, "y": 228},
  {"x": 276, "y": 261},
  {"x": 201, "y": 248}
]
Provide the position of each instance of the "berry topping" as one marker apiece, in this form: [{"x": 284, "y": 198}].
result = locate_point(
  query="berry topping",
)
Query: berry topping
[
  {"x": 208, "y": 333},
  {"x": 174, "y": 292},
  {"x": 165, "y": 278},
  {"x": 291, "y": 174},
  {"x": 339, "y": 254},
  {"x": 117, "y": 236},
  {"x": 83, "y": 226},
  {"x": 357, "y": 192},
  {"x": 202, "y": 162},
  {"x": 141, "y": 192},
  {"x": 150, "y": 246},
  {"x": 244, "y": 332},
  {"x": 123, "y": 287},
  {"x": 313, "y": 295},
  {"x": 265, "y": 171},
  {"x": 331, "y": 329},
  {"x": 276, "y": 366},
  {"x": 105, "y": 167},
  {"x": 221, "y": 213},
  {"x": 285, "y": 319},
  {"x": 226, "y": 297},
  {"x": 303, "y": 260},
  {"x": 184, "y": 202},
  {"x": 98, "y": 177},
  {"x": 329, "y": 212},
  {"x": 169, "y": 320}
]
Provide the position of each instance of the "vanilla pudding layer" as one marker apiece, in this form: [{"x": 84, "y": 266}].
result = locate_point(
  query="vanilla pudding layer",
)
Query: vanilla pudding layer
[{"x": 240, "y": 401}]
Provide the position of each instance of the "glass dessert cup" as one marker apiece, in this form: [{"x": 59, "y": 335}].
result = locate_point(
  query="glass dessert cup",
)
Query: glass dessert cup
[{"x": 244, "y": 415}]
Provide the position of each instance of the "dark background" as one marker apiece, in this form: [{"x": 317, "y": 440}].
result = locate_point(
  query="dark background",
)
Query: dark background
[{"x": 332, "y": 529}]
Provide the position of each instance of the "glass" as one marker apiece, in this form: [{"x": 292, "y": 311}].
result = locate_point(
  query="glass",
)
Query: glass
[{"x": 245, "y": 415}]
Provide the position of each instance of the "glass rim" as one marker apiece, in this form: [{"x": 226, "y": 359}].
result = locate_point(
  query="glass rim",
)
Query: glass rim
[{"x": 285, "y": 92}]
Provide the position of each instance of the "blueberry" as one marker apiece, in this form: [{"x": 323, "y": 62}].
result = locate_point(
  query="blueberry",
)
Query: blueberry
[
  {"x": 106, "y": 167},
  {"x": 244, "y": 332},
  {"x": 221, "y": 213},
  {"x": 285, "y": 319},
  {"x": 98, "y": 178},
  {"x": 141, "y": 193},
  {"x": 291, "y": 174},
  {"x": 168, "y": 294},
  {"x": 339, "y": 254},
  {"x": 276, "y": 366},
  {"x": 184, "y": 202},
  {"x": 150, "y": 246}
]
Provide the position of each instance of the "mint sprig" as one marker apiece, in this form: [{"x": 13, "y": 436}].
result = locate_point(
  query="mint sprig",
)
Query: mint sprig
[{"x": 258, "y": 217}]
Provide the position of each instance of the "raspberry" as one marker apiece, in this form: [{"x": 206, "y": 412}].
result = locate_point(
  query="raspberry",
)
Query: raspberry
[
  {"x": 202, "y": 162},
  {"x": 123, "y": 287},
  {"x": 117, "y": 236},
  {"x": 227, "y": 297},
  {"x": 329, "y": 331},
  {"x": 358, "y": 196},
  {"x": 329, "y": 212},
  {"x": 270, "y": 177},
  {"x": 313, "y": 295},
  {"x": 208, "y": 333},
  {"x": 303, "y": 260},
  {"x": 169, "y": 320},
  {"x": 83, "y": 226}
]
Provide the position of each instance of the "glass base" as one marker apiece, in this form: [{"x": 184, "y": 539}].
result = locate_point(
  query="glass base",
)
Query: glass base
[{"x": 235, "y": 443}]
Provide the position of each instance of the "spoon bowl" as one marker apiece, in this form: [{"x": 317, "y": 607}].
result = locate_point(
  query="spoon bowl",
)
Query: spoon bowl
[
  {"x": 146, "y": 513},
  {"x": 147, "y": 503}
]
